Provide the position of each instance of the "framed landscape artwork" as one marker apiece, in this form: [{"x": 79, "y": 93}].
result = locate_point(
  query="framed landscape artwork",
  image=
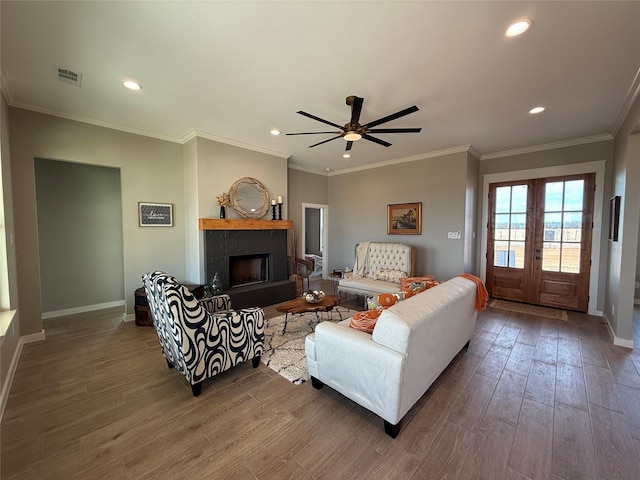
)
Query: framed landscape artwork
[
  {"x": 404, "y": 219},
  {"x": 155, "y": 214}
]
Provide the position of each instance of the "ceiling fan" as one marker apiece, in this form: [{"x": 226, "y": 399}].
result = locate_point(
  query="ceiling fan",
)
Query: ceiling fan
[{"x": 353, "y": 131}]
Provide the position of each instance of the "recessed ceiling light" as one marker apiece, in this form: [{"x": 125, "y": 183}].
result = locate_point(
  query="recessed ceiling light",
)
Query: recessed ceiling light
[
  {"x": 346, "y": 155},
  {"x": 518, "y": 27},
  {"x": 131, "y": 85},
  {"x": 535, "y": 110},
  {"x": 275, "y": 131}
]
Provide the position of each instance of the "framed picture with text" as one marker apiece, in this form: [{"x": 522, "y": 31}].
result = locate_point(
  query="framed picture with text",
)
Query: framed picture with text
[
  {"x": 155, "y": 214},
  {"x": 404, "y": 219}
]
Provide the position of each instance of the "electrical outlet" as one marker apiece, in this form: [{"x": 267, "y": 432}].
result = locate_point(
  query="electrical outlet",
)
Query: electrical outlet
[{"x": 637, "y": 284}]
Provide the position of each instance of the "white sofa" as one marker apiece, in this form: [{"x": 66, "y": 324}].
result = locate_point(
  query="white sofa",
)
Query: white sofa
[
  {"x": 412, "y": 343},
  {"x": 378, "y": 256}
]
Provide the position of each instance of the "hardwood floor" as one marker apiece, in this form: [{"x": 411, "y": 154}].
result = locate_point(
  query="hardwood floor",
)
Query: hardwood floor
[{"x": 531, "y": 398}]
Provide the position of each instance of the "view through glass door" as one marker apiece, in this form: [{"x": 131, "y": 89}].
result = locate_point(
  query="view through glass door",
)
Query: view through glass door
[{"x": 539, "y": 241}]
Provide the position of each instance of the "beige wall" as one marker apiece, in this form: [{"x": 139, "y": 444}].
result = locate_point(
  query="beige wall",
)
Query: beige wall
[
  {"x": 621, "y": 271},
  {"x": 8, "y": 278},
  {"x": 151, "y": 171},
  {"x": 358, "y": 205}
]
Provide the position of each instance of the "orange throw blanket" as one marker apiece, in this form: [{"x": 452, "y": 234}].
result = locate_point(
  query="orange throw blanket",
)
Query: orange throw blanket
[{"x": 482, "y": 296}]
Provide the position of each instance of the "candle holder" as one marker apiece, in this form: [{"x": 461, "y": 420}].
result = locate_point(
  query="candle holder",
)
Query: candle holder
[
  {"x": 279, "y": 211},
  {"x": 273, "y": 212}
]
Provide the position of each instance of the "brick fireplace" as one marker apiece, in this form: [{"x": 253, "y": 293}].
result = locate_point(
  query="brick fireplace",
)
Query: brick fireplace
[{"x": 250, "y": 257}]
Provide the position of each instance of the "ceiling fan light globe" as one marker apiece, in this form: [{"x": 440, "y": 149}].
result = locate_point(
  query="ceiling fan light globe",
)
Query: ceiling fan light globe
[{"x": 352, "y": 136}]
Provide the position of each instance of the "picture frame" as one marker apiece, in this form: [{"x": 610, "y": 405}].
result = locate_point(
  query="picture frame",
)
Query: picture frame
[
  {"x": 404, "y": 219},
  {"x": 614, "y": 220},
  {"x": 155, "y": 214}
]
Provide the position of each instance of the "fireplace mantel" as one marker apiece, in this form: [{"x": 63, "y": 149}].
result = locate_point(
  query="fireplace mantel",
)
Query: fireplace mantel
[{"x": 243, "y": 224}]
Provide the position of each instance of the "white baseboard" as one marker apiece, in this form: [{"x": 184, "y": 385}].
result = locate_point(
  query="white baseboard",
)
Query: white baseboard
[
  {"x": 83, "y": 309},
  {"x": 6, "y": 388},
  {"x": 128, "y": 318},
  {"x": 620, "y": 342}
]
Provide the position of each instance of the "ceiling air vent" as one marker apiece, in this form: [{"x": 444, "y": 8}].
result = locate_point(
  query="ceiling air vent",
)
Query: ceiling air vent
[{"x": 69, "y": 76}]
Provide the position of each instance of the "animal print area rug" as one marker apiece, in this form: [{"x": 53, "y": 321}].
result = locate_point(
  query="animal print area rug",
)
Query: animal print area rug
[{"x": 285, "y": 354}]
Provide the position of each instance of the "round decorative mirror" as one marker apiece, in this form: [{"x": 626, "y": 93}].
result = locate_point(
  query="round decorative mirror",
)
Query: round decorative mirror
[{"x": 249, "y": 197}]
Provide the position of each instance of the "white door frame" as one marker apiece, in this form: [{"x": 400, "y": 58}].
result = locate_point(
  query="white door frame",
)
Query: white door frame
[{"x": 325, "y": 233}]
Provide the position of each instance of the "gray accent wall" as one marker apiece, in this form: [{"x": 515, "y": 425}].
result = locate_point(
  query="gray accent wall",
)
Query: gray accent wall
[
  {"x": 358, "y": 211},
  {"x": 312, "y": 230},
  {"x": 79, "y": 234}
]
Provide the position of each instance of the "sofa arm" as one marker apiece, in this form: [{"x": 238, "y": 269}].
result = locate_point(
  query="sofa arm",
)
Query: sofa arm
[{"x": 349, "y": 361}]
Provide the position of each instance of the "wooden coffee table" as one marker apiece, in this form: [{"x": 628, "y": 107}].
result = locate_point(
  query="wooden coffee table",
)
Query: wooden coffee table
[{"x": 300, "y": 305}]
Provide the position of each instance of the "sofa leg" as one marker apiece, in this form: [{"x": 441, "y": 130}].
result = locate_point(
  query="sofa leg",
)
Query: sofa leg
[
  {"x": 317, "y": 384},
  {"x": 392, "y": 430},
  {"x": 196, "y": 389},
  {"x": 169, "y": 364},
  {"x": 255, "y": 361}
]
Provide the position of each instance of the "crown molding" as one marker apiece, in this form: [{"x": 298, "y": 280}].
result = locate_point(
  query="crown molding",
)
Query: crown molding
[
  {"x": 548, "y": 146},
  {"x": 193, "y": 133},
  {"x": 412, "y": 158},
  {"x": 5, "y": 85},
  {"x": 629, "y": 100},
  {"x": 302, "y": 168},
  {"x": 98, "y": 123}
]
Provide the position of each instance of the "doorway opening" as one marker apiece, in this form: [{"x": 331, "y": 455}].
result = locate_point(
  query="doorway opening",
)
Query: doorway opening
[
  {"x": 314, "y": 237},
  {"x": 539, "y": 241}
]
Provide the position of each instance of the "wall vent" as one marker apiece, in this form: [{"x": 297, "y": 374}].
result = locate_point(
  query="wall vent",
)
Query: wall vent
[{"x": 69, "y": 76}]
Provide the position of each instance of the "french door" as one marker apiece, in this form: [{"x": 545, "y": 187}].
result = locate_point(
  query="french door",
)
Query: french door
[{"x": 539, "y": 241}]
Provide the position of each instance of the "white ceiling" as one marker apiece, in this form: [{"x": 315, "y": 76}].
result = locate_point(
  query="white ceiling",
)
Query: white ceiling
[{"x": 232, "y": 71}]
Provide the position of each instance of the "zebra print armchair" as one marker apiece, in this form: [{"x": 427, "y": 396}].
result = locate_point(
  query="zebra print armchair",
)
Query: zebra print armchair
[{"x": 201, "y": 338}]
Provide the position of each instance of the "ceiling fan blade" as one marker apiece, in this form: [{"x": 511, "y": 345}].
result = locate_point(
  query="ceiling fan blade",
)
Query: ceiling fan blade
[
  {"x": 313, "y": 133},
  {"x": 320, "y": 119},
  {"x": 349, "y": 145},
  {"x": 356, "y": 108},
  {"x": 393, "y": 116},
  {"x": 394, "y": 130},
  {"x": 376, "y": 140},
  {"x": 324, "y": 141}
]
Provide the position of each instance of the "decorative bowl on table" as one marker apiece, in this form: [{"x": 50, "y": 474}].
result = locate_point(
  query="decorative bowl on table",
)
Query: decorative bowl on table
[{"x": 313, "y": 296}]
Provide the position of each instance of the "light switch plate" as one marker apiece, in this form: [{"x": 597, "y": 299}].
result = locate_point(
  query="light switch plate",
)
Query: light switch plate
[{"x": 454, "y": 235}]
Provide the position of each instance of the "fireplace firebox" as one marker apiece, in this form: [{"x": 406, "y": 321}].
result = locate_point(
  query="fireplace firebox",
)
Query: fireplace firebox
[
  {"x": 248, "y": 269},
  {"x": 264, "y": 277}
]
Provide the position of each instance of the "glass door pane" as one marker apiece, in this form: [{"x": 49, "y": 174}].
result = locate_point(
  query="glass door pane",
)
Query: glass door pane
[
  {"x": 563, "y": 211},
  {"x": 510, "y": 226}
]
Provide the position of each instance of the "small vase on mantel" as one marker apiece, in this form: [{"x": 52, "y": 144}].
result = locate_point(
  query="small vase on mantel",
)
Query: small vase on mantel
[{"x": 223, "y": 212}]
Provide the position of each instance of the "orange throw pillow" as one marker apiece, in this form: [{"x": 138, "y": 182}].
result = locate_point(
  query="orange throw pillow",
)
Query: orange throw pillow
[{"x": 365, "y": 321}]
